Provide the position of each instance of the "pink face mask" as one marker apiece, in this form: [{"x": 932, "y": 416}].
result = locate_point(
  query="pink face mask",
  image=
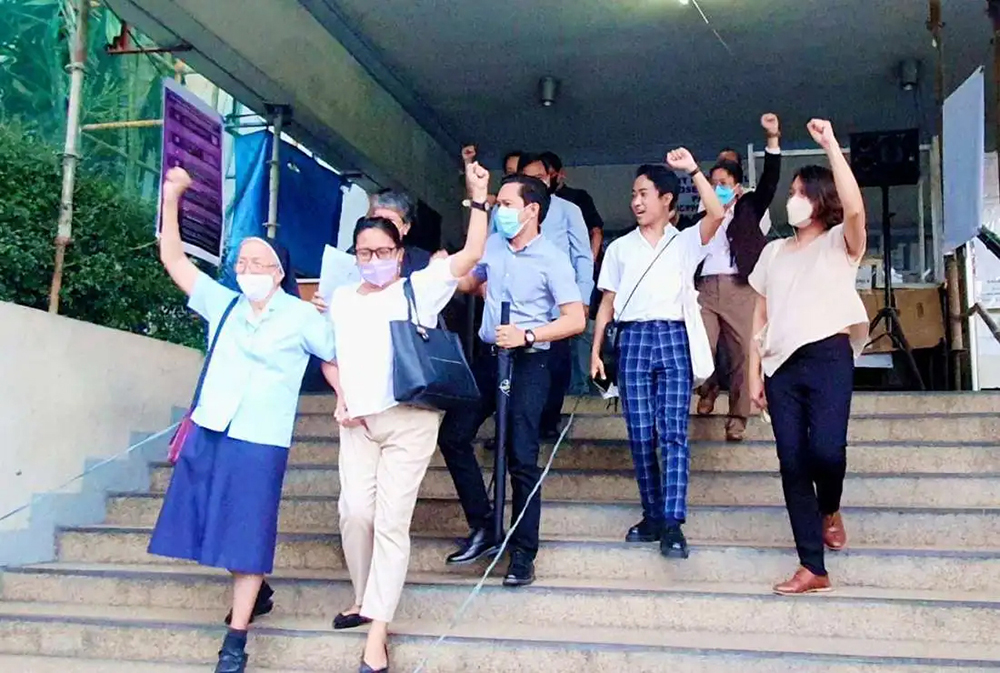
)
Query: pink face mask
[{"x": 379, "y": 272}]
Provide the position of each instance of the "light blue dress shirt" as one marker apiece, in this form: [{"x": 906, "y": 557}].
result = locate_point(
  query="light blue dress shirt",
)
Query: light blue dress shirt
[
  {"x": 565, "y": 227},
  {"x": 536, "y": 281},
  {"x": 253, "y": 381}
]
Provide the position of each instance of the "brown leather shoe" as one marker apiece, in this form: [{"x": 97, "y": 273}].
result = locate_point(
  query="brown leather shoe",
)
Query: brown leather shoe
[
  {"x": 834, "y": 535},
  {"x": 706, "y": 401},
  {"x": 803, "y": 582},
  {"x": 736, "y": 429}
]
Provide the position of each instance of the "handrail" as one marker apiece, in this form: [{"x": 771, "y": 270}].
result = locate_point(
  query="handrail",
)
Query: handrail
[{"x": 991, "y": 324}]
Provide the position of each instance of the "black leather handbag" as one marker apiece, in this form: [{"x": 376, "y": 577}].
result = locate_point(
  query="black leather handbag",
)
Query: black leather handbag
[
  {"x": 610, "y": 350},
  {"x": 429, "y": 368}
]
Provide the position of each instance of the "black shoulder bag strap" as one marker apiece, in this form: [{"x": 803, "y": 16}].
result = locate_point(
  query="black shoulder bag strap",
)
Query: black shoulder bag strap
[
  {"x": 211, "y": 349},
  {"x": 612, "y": 329}
]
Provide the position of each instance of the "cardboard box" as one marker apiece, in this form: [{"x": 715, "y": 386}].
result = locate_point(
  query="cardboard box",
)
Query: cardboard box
[{"x": 920, "y": 316}]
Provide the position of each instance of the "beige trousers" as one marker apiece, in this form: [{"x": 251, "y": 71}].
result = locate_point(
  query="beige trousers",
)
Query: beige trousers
[
  {"x": 727, "y": 309},
  {"x": 381, "y": 467}
]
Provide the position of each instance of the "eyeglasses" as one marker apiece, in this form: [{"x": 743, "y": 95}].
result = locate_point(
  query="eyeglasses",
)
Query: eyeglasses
[
  {"x": 365, "y": 254},
  {"x": 253, "y": 266}
]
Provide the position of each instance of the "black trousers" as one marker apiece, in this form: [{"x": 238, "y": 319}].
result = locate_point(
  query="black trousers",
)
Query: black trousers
[
  {"x": 809, "y": 398},
  {"x": 530, "y": 383},
  {"x": 561, "y": 366}
]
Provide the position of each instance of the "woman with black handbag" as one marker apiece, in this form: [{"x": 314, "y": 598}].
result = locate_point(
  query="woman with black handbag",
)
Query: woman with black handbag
[{"x": 387, "y": 438}]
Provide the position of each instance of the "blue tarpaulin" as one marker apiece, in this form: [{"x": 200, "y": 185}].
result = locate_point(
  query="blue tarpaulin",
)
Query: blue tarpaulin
[{"x": 309, "y": 203}]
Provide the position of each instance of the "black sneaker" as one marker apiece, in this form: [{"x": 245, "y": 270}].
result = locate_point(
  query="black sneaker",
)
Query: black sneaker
[
  {"x": 480, "y": 543},
  {"x": 521, "y": 571},
  {"x": 644, "y": 531},
  {"x": 262, "y": 606},
  {"x": 232, "y": 658},
  {"x": 672, "y": 543}
]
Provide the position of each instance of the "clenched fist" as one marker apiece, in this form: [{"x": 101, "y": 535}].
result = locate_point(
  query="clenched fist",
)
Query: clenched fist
[
  {"x": 682, "y": 160},
  {"x": 771, "y": 124},
  {"x": 176, "y": 183},
  {"x": 822, "y": 132},
  {"x": 477, "y": 181}
]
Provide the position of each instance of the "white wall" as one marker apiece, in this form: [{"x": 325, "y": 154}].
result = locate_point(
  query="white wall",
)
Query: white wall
[{"x": 74, "y": 391}]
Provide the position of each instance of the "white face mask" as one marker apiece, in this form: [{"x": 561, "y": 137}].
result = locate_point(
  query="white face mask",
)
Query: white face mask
[
  {"x": 256, "y": 286},
  {"x": 800, "y": 211}
]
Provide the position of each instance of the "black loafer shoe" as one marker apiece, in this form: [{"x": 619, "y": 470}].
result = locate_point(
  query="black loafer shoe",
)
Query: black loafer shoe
[
  {"x": 231, "y": 660},
  {"x": 365, "y": 668},
  {"x": 644, "y": 531},
  {"x": 262, "y": 606},
  {"x": 521, "y": 571},
  {"x": 342, "y": 621},
  {"x": 480, "y": 543},
  {"x": 673, "y": 544}
]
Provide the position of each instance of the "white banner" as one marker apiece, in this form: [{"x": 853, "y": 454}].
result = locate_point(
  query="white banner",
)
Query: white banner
[{"x": 964, "y": 146}]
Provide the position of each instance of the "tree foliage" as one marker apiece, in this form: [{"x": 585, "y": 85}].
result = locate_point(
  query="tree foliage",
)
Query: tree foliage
[{"x": 112, "y": 272}]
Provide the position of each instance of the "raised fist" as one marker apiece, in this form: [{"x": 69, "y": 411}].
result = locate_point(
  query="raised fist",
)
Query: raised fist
[
  {"x": 822, "y": 132},
  {"x": 682, "y": 160},
  {"x": 468, "y": 154},
  {"x": 477, "y": 180},
  {"x": 771, "y": 124},
  {"x": 176, "y": 183}
]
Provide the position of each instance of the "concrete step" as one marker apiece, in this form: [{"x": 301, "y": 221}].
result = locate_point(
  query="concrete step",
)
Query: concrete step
[
  {"x": 29, "y": 664},
  {"x": 863, "y": 429},
  {"x": 880, "y": 614},
  {"x": 910, "y": 528},
  {"x": 864, "y": 403},
  {"x": 761, "y": 456},
  {"x": 577, "y": 558},
  {"x": 719, "y": 488},
  {"x": 192, "y": 637}
]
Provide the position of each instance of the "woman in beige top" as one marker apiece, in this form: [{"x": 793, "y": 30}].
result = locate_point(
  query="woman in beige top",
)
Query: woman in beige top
[{"x": 810, "y": 325}]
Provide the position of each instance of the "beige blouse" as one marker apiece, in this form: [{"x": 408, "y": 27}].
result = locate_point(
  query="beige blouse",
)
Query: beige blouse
[{"x": 810, "y": 295}]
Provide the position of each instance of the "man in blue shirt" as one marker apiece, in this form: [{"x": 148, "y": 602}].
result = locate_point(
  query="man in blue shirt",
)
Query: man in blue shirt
[{"x": 535, "y": 276}]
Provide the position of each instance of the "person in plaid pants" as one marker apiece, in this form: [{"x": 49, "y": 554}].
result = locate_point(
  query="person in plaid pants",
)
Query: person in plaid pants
[{"x": 644, "y": 279}]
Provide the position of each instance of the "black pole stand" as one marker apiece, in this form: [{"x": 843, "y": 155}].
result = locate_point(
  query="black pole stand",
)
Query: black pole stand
[
  {"x": 505, "y": 366},
  {"x": 888, "y": 313}
]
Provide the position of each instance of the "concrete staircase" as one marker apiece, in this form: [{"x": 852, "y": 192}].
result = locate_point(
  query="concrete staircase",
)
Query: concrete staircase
[{"x": 918, "y": 589}]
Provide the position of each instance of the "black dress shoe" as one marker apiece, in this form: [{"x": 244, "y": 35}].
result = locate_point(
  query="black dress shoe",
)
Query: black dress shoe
[
  {"x": 521, "y": 571},
  {"x": 480, "y": 543},
  {"x": 644, "y": 531},
  {"x": 232, "y": 659},
  {"x": 262, "y": 606},
  {"x": 673, "y": 543},
  {"x": 342, "y": 621},
  {"x": 365, "y": 668}
]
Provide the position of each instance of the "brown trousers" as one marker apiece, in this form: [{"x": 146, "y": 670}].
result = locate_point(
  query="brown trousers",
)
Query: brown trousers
[{"x": 727, "y": 309}]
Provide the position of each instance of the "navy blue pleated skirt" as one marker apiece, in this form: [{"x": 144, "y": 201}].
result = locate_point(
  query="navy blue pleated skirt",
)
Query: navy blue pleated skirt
[{"x": 221, "y": 508}]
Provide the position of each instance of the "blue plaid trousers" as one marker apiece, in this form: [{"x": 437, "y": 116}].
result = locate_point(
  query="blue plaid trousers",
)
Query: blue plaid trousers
[{"x": 656, "y": 381}]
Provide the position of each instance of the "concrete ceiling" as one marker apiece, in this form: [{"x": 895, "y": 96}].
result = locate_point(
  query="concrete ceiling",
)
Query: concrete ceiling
[{"x": 640, "y": 75}]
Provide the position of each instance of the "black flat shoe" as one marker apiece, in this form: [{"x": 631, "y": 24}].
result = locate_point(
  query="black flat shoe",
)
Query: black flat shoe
[
  {"x": 521, "y": 571},
  {"x": 342, "y": 621},
  {"x": 673, "y": 544},
  {"x": 231, "y": 660},
  {"x": 262, "y": 606},
  {"x": 644, "y": 531},
  {"x": 480, "y": 543}
]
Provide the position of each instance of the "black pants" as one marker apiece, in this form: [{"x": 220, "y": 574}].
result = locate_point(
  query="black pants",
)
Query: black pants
[
  {"x": 810, "y": 404},
  {"x": 529, "y": 384},
  {"x": 561, "y": 366}
]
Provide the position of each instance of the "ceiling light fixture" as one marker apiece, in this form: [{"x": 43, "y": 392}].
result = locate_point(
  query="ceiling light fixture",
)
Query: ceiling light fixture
[{"x": 548, "y": 87}]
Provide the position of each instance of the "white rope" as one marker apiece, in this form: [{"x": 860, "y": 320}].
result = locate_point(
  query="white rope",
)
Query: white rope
[{"x": 482, "y": 580}]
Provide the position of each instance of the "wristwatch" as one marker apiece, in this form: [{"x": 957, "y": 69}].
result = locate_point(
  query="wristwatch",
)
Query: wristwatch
[
  {"x": 529, "y": 338},
  {"x": 478, "y": 205}
]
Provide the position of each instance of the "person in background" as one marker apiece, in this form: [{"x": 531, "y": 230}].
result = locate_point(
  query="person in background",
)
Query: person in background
[
  {"x": 511, "y": 160},
  {"x": 385, "y": 446},
  {"x": 726, "y": 299},
  {"x": 564, "y": 226},
  {"x": 527, "y": 269},
  {"x": 221, "y": 508},
  {"x": 731, "y": 155},
  {"x": 810, "y": 325},
  {"x": 655, "y": 373},
  {"x": 579, "y": 383}
]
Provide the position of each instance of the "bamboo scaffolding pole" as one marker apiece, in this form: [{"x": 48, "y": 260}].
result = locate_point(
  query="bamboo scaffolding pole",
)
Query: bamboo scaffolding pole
[
  {"x": 71, "y": 156},
  {"x": 135, "y": 124}
]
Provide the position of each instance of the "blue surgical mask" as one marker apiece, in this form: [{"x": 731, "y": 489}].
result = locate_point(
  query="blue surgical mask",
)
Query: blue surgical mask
[
  {"x": 725, "y": 194},
  {"x": 508, "y": 221}
]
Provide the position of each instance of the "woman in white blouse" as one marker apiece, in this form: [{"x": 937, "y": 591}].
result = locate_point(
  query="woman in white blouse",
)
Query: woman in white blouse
[
  {"x": 810, "y": 325},
  {"x": 385, "y": 447}
]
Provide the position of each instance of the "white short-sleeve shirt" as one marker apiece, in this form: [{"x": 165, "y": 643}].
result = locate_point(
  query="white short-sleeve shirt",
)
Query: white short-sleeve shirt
[
  {"x": 660, "y": 295},
  {"x": 361, "y": 329}
]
